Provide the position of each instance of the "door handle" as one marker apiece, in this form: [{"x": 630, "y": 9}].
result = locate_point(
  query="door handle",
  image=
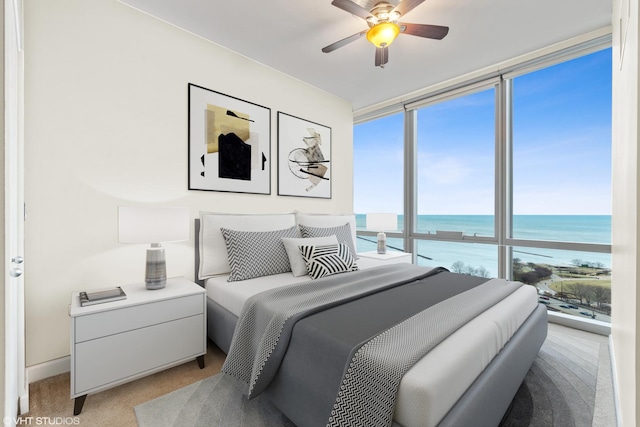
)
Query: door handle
[
  {"x": 17, "y": 260},
  {"x": 15, "y": 272}
]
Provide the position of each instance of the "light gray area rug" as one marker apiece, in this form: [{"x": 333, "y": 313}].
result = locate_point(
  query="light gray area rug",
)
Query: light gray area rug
[
  {"x": 220, "y": 400},
  {"x": 569, "y": 385}
]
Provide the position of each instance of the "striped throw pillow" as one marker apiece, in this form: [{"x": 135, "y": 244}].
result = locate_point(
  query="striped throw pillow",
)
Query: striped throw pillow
[{"x": 326, "y": 260}]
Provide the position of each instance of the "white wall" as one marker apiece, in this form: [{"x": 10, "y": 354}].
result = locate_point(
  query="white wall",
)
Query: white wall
[
  {"x": 625, "y": 324},
  {"x": 106, "y": 125}
]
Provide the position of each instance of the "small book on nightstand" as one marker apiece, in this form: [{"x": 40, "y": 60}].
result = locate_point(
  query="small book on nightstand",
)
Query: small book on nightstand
[{"x": 98, "y": 297}]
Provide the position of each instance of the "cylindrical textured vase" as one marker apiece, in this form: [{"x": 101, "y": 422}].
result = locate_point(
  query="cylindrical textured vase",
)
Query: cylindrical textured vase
[
  {"x": 382, "y": 243},
  {"x": 155, "y": 276}
]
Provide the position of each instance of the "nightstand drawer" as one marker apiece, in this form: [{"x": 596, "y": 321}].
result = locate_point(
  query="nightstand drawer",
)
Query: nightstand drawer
[
  {"x": 101, "y": 362},
  {"x": 134, "y": 317}
]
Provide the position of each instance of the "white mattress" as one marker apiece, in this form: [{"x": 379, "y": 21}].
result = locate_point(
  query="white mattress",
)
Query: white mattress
[
  {"x": 425, "y": 394},
  {"x": 232, "y": 295}
]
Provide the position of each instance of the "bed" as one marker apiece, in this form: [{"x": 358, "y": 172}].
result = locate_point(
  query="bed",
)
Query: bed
[{"x": 479, "y": 366}]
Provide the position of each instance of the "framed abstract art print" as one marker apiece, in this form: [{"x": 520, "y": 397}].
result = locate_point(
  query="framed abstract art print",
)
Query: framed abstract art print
[
  {"x": 304, "y": 158},
  {"x": 229, "y": 143}
]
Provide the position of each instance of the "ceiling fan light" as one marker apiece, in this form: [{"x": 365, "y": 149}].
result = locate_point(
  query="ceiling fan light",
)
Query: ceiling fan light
[{"x": 383, "y": 34}]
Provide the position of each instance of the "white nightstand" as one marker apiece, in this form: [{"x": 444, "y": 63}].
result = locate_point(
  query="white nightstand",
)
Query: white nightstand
[
  {"x": 149, "y": 331},
  {"x": 388, "y": 258}
]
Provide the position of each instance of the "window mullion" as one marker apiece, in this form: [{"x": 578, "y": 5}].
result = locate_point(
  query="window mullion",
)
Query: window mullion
[
  {"x": 508, "y": 183},
  {"x": 504, "y": 175},
  {"x": 410, "y": 178}
]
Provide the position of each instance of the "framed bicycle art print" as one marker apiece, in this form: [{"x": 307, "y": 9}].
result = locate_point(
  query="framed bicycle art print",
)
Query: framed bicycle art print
[{"x": 304, "y": 157}]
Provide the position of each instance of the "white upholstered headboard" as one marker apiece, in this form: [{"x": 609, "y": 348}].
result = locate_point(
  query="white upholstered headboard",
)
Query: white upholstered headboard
[
  {"x": 212, "y": 251},
  {"x": 212, "y": 247}
]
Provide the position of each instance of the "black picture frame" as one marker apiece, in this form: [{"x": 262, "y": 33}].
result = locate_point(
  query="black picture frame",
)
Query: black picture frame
[
  {"x": 304, "y": 157},
  {"x": 229, "y": 143}
]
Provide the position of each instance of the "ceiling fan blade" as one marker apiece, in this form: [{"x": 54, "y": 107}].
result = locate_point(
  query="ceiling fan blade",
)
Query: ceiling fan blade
[
  {"x": 351, "y": 7},
  {"x": 422, "y": 30},
  {"x": 407, "y": 6},
  {"x": 382, "y": 56},
  {"x": 343, "y": 42}
]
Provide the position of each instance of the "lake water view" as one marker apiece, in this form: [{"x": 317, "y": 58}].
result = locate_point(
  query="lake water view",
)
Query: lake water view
[{"x": 564, "y": 228}]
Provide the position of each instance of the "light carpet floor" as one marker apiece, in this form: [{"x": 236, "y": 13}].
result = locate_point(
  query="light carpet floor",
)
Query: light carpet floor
[{"x": 114, "y": 407}]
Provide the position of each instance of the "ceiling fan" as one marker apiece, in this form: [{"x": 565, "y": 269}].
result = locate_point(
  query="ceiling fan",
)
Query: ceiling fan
[{"x": 384, "y": 26}]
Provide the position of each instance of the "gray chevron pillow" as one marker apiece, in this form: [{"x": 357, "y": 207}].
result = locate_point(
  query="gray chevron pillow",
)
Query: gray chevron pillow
[
  {"x": 342, "y": 232},
  {"x": 326, "y": 260},
  {"x": 256, "y": 253}
]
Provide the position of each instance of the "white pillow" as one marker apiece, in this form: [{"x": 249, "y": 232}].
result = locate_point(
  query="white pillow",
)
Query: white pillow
[
  {"x": 298, "y": 265},
  {"x": 213, "y": 250}
]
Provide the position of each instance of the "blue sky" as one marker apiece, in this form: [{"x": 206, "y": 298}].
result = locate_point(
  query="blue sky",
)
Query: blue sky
[{"x": 562, "y": 148}]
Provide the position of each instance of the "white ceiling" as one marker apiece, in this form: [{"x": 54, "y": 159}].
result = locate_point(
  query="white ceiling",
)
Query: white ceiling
[{"x": 289, "y": 35}]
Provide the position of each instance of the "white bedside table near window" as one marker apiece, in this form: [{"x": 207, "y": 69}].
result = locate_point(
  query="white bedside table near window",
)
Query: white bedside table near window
[
  {"x": 151, "y": 330},
  {"x": 387, "y": 258}
]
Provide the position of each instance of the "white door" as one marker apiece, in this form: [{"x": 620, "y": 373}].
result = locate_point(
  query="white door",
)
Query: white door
[{"x": 15, "y": 390}]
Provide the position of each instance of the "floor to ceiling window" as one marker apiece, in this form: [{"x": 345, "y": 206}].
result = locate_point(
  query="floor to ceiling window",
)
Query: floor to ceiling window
[
  {"x": 455, "y": 182},
  {"x": 561, "y": 186},
  {"x": 455, "y": 164},
  {"x": 511, "y": 179},
  {"x": 379, "y": 176}
]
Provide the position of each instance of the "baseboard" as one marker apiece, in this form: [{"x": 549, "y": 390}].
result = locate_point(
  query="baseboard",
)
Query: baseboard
[
  {"x": 614, "y": 377},
  {"x": 587, "y": 325},
  {"x": 48, "y": 369},
  {"x": 40, "y": 372},
  {"x": 23, "y": 404}
]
